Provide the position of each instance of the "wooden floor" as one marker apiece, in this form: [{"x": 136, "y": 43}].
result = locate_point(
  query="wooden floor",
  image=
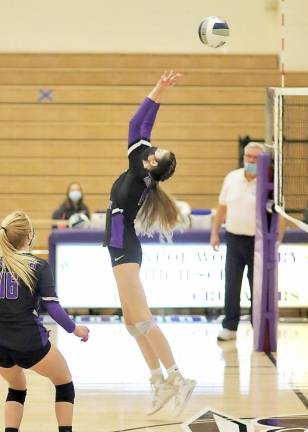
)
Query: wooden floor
[{"x": 113, "y": 393}]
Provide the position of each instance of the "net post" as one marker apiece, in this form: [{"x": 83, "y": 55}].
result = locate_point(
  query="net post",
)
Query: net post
[{"x": 265, "y": 283}]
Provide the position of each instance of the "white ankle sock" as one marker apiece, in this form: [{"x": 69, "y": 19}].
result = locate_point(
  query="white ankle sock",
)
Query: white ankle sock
[
  {"x": 157, "y": 373},
  {"x": 173, "y": 372}
]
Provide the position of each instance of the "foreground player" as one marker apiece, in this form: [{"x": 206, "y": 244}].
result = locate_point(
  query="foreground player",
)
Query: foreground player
[
  {"x": 136, "y": 194},
  {"x": 24, "y": 281}
]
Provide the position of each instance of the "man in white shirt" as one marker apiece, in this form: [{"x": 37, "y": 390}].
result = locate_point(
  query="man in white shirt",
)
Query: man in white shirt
[{"x": 237, "y": 208}]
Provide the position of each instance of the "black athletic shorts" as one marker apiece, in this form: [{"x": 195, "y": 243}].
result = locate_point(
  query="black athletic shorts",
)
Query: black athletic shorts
[
  {"x": 132, "y": 254},
  {"x": 25, "y": 359}
]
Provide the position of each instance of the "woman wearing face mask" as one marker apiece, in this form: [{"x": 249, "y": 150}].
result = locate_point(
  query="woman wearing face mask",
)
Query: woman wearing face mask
[
  {"x": 136, "y": 197},
  {"x": 72, "y": 204},
  {"x": 26, "y": 282}
]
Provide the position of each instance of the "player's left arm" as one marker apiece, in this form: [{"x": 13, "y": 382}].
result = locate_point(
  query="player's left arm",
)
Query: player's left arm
[{"x": 47, "y": 293}]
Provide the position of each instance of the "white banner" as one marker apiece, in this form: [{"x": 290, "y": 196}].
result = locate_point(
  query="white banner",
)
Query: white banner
[{"x": 174, "y": 275}]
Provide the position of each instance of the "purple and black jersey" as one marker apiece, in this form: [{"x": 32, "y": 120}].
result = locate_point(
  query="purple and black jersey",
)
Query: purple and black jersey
[
  {"x": 129, "y": 190},
  {"x": 20, "y": 326}
]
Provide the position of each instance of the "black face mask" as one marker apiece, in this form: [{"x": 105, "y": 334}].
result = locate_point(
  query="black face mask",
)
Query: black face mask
[
  {"x": 148, "y": 152},
  {"x": 158, "y": 173}
]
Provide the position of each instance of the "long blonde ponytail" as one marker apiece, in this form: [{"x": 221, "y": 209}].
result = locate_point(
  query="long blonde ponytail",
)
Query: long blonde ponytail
[
  {"x": 14, "y": 232},
  {"x": 158, "y": 213}
]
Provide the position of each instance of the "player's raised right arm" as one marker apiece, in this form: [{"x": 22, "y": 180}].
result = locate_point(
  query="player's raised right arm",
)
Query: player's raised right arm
[
  {"x": 147, "y": 110},
  {"x": 142, "y": 122},
  {"x": 168, "y": 79}
]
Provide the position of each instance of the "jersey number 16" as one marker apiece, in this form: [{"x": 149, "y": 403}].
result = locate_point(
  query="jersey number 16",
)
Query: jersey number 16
[{"x": 8, "y": 287}]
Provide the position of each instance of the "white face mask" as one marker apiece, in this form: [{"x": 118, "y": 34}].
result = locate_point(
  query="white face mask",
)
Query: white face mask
[
  {"x": 251, "y": 168},
  {"x": 75, "y": 195}
]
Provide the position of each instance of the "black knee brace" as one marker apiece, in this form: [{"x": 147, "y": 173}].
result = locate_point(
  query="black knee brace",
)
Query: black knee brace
[
  {"x": 65, "y": 392},
  {"x": 16, "y": 396}
]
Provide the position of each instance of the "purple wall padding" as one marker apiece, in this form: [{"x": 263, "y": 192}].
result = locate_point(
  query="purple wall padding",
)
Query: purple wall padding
[{"x": 265, "y": 284}]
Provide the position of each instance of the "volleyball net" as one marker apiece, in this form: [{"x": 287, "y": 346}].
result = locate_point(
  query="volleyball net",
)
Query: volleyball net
[
  {"x": 287, "y": 136},
  {"x": 282, "y": 188}
]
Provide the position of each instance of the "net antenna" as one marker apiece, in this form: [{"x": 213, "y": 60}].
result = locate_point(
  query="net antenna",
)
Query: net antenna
[
  {"x": 282, "y": 42},
  {"x": 287, "y": 136}
]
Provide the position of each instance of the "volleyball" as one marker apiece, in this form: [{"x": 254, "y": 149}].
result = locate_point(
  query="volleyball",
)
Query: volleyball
[
  {"x": 214, "y": 31},
  {"x": 79, "y": 221}
]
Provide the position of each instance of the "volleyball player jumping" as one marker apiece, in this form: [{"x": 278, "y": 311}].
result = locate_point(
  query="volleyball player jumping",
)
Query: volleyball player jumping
[
  {"x": 136, "y": 195},
  {"x": 25, "y": 280}
]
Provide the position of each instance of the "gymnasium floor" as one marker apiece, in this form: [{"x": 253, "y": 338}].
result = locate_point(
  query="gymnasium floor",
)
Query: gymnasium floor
[{"x": 113, "y": 392}]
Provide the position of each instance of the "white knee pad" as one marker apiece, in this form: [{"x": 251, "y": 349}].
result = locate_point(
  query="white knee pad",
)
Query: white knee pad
[
  {"x": 144, "y": 327},
  {"x": 132, "y": 330}
]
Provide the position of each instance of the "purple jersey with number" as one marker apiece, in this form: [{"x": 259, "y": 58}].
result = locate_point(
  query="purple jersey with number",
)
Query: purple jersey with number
[{"x": 21, "y": 328}]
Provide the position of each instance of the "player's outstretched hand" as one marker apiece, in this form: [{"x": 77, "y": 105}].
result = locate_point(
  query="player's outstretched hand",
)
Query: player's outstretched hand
[
  {"x": 169, "y": 78},
  {"x": 82, "y": 332}
]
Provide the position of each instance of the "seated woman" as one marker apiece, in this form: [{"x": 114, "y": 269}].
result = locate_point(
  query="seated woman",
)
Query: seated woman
[{"x": 72, "y": 204}]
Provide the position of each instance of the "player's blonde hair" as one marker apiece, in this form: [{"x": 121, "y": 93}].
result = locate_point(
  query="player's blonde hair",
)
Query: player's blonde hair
[{"x": 14, "y": 232}]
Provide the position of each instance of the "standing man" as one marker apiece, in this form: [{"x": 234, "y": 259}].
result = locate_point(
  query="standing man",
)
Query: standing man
[{"x": 237, "y": 208}]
